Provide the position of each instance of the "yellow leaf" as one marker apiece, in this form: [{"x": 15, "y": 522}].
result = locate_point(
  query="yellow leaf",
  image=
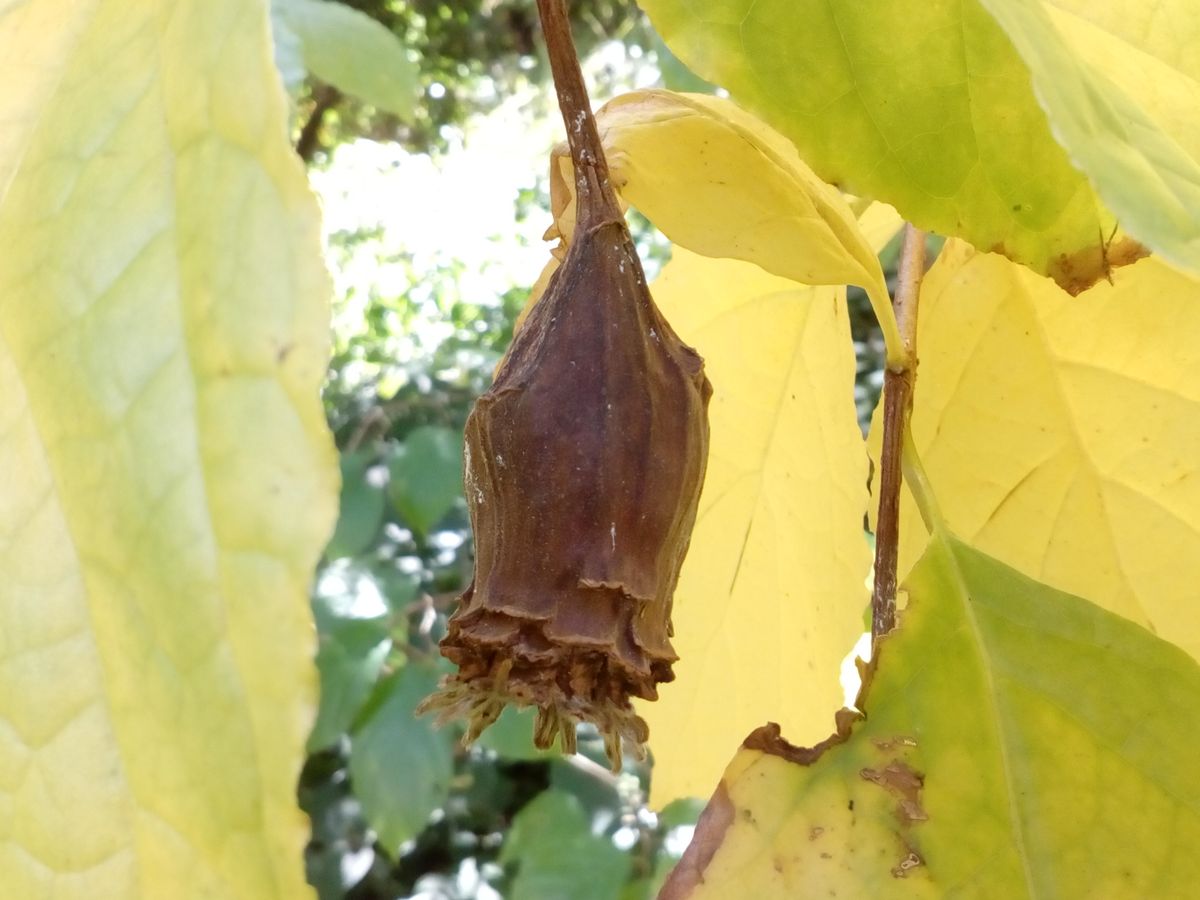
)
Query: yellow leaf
[
  {"x": 170, "y": 479},
  {"x": 772, "y": 591},
  {"x": 718, "y": 181},
  {"x": 1018, "y": 743},
  {"x": 1060, "y": 434}
]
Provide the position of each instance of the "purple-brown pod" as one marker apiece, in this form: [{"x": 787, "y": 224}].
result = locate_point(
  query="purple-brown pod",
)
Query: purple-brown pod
[{"x": 584, "y": 463}]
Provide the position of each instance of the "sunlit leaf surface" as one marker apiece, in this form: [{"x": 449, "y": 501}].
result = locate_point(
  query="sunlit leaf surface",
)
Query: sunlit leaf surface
[
  {"x": 1061, "y": 433},
  {"x": 347, "y": 48},
  {"x": 772, "y": 590}
]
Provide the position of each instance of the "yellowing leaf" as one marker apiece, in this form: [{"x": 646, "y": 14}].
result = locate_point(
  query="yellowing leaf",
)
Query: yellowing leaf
[
  {"x": 924, "y": 105},
  {"x": 1019, "y": 743},
  {"x": 169, "y": 477},
  {"x": 719, "y": 182},
  {"x": 1137, "y": 134},
  {"x": 772, "y": 591},
  {"x": 1060, "y": 434}
]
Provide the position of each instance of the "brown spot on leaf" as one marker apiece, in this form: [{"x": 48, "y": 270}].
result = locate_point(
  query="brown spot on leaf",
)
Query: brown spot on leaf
[
  {"x": 1077, "y": 272},
  {"x": 707, "y": 840},
  {"x": 815, "y": 832},
  {"x": 898, "y": 779}
]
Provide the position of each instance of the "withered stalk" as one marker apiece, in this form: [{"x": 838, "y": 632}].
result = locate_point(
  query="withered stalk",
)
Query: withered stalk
[{"x": 897, "y": 404}]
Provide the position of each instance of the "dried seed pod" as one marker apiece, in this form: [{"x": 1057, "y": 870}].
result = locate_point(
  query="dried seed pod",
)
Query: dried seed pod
[{"x": 584, "y": 463}]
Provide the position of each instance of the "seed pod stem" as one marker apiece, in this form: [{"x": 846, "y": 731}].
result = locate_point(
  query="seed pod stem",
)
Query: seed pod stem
[{"x": 596, "y": 198}]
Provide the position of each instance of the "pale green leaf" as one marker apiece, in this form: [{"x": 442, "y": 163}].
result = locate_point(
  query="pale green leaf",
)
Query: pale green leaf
[
  {"x": 163, "y": 338},
  {"x": 1144, "y": 174},
  {"x": 350, "y": 50}
]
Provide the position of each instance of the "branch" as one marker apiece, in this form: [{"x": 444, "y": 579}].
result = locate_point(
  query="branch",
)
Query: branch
[
  {"x": 325, "y": 98},
  {"x": 897, "y": 402}
]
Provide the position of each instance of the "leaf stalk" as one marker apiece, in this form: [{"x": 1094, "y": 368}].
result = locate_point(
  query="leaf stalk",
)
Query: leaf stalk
[{"x": 898, "y": 382}]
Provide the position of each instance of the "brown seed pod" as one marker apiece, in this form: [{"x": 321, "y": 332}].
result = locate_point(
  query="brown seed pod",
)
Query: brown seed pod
[{"x": 584, "y": 463}]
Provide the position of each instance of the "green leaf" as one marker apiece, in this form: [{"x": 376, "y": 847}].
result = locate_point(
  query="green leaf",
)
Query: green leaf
[
  {"x": 675, "y": 75},
  {"x": 348, "y": 49},
  {"x": 556, "y": 855},
  {"x": 360, "y": 509},
  {"x": 684, "y": 811},
  {"x": 925, "y": 105},
  {"x": 400, "y": 765},
  {"x": 426, "y": 476},
  {"x": 351, "y": 654},
  {"x": 1019, "y": 743},
  {"x": 169, "y": 480}
]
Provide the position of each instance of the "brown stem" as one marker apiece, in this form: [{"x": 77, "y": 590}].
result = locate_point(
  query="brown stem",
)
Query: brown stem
[
  {"x": 596, "y": 198},
  {"x": 325, "y": 98},
  {"x": 897, "y": 401}
]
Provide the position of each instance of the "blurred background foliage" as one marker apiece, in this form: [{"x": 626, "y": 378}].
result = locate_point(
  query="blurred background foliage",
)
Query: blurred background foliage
[{"x": 426, "y": 126}]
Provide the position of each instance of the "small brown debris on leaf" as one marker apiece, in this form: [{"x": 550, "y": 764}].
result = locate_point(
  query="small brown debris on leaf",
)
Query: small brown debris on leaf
[
  {"x": 889, "y": 744},
  {"x": 1077, "y": 272},
  {"x": 910, "y": 861}
]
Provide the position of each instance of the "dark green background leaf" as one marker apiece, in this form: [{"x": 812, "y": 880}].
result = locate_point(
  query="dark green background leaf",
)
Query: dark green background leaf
[
  {"x": 399, "y": 764},
  {"x": 557, "y": 856}
]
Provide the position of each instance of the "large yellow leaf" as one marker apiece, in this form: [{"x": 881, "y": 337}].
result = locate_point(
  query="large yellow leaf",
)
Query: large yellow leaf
[
  {"x": 168, "y": 478},
  {"x": 772, "y": 591},
  {"x": 1060, "y": 434},
  {"x": 1019, "y": 743},
  {"x": 720, "y": 182}
]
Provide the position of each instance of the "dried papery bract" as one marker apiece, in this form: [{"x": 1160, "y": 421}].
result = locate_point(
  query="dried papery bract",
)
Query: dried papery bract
[{"x": 584, "y": 463}]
